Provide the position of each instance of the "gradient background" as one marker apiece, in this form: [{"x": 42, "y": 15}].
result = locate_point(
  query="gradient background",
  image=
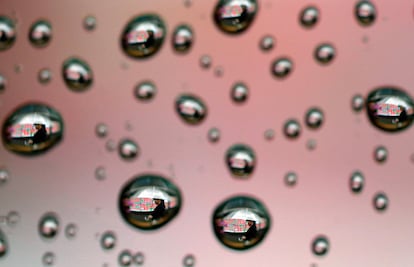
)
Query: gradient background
[{"x": 62, "y": 180}]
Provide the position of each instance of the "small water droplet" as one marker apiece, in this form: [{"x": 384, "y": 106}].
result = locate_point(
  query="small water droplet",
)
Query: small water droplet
[
  {"x": 281, "y": 67},
  {"x": 357, "y": 102},
  {"x": 292, "y": 129},
  {"x": 7, "y": 33},
  {"x": 18, "y": 68},
  {"x": 267, "y": 43},
  {"x": 380, "y": 154},
  {"x": 187, "y": 3},
  {"x": 365, "y": 13},
  {"x": 138, "y": 258},
  {"x": 143, "y": 36},
  {"x": 320, "y": 246},
  {"x": 71, "y": 231},
  {"x": 128, "y": 149},
  {"x": 77, "y": 74},
  {"x": 314, "y": 118},
  {"x": 125, "y": 258},
  {"x": 100, "y": 173},
  {"x": 214, "y": 135},
  {"x": 4, "y": 248},
  {"x": 269, "y": 134},
  {"x": 380, "y": 202},
  {"x": 205, "y": 61},
  {"x": 325, "y": 53},
  {"x": 108, "y": 240},
  {"x": 309, "y": 16},
  {"x": 110, "y": 145},
  {"x": 218, "y": 71},
  {"x": 239, "y": 92},
  {"x": 191, "y": 109},
  {"x": 241, "y": 160},
  {"x": 13, "y": 218},
  {"x": 49, "y": 258},
  {"x": 241, "y": 222},
  {"x": 4, "y": 175},
  {"x": 291, "y": 178},
  {"x": 101, "y": 130},
  {"x": 40, "y": 33},
  {"x": 149, "y": 201},
  {"x": 189, "y": 261},
  {"x": 89, "y": 23},
  {"x": 182, "y": 38},
  {"x": 145, "y": 91},
  {"x": 235, "y": 16},
  {"x": 357, "y": 182},
  {"x": 3, "y": 83},
  {"x": 44, "y": 76},
  {"x": 311, "y": 144},
  {"x": 49, "y": 226}
]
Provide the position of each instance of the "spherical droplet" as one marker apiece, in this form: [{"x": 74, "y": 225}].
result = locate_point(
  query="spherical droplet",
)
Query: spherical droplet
[
  {"x": 325, "y": 53},
  {"x": 291, "y": 179},
  {"x": 71, "y": 231},
  {"x": 100, "y": 173},
  {"x": 32, "y": 128},
  {"x": 101, "y": 130},
  {"x": 241, "y": 222},
  {"x": 138, "y": 258},
  {"x": 380, "y": 202},
  {"x": 4, "y": 175},
  {"x": 49, "y": 226},
  {"x": 320, "y": 246},
  {"x": 125, "y": 258},
  {"x": 281, "y": 67},
  {"x": 40, "y": 33},
  {"x": 189, "y": 261},
  {"x": 77, "y": 74},
  {"x": 241, "y": 160},
  {"x": 357, "y": 102},
  {"x": 7, "y": 33},
  {"x": 390, "y": 109},
  {"x": 309, "y": 16},
  {"x": 235, "y": 16},
  {"x": 182, "y": 38},
  {"x": 13, "y": 218},
  {"x": 108, "y": 240},
  {"x": 314, "y": 118},
  {"x": 292, "y": 129},
  {"x": 380, "y": 154},
  {"x": 143, "y": 36},
  {"x": 44, "y": 76},
  {"x": 89, "y": 23},
  {"x": 128, "y": 149},
  {"x": 149, "y": 201},
  {"x": 269, "y": 134},
  {"x": 49, "y": 258},
  {"x": 239, "y": 92},
  {"x": 365, "y": 13},
  {"x": 205, "y": 61},
  {"x": 191, "y": 109},
  {"x": 357, "y": 182},
  {"x": 267, "y": 43},
  {"x": 214, "y": 135},
  {"x": 145, "y": 91},
  {"x": 3, "y": 83},
  {"x": 4, "y": 247}
]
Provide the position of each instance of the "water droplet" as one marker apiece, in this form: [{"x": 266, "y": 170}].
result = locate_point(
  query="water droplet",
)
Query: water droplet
[
  {"x": 189, "y": 261},
  {"x": 320, "y": 246},
  {"x": 314, "y": 118},
  {"x": 241, "y": 160},
  {"x": 325, "y": 53},
  {"x": 77, "y": 74},
  {"x": 4, "y": 248},
  {"x": 281, "y": 67},
  {"x": 89, "y": 23},
  {"x": 380, "y": 202},
  {"x": 32, "y": 128},
  {"x": 7, "y": 33},
  {"x": 101, "y": 130},
  {"x": 100, "y": 173},
  {"x": 183, "y": 38},
  {"x": 214, "y": 135},
  {"x": 365, "y": 13},
  {"x": 235, "y": 16},
  {"x": 218, "y": 71},
  {"x": 4, "y": 175},
  {"x": 357, "y": 103},
  {"x": 108, "y": 240},
  {"x": 143, "y": 36},
  {"x": 71, "y": 231},
  {"x": 44, "y": 76},
  {"x": 291, "y": 178},
  {"x": 13, "y": 218},
  {"x": 125, "y": 258},
  {"x": 145, "y": 91},
  {"x": 357, "y": 182},
  {"x": 311, "y": 144},
  {"x": 267, "y": 43},
  {"x": 49, "y": 226},
  {"x": 49, "y": 258},
  {"x": 269, "y": 134},
  {"x": 205, "y": 61},
  {"x": 128, "y": 149},
  {"x": 309, "y": 17},
  {"x": 3, "y": 83},
  {"x": 138, "y": 258},
  {"x": 149, "y": 201},
  {"x": 292, "y": 128},
  {"x": 241, "y": 222},
  {"x": 40, "y": 33},
  {"x": 239, "y": 92},
  {"x": 380, "y": 154},
  {"x": 110, "y": 145},
  {"x": 187, "y": 3},
  {"x": 390, "y": 109},
  {"x": 191, "y": 109}
]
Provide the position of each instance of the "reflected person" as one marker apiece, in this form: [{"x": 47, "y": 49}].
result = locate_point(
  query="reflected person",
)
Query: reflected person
[
  {"x": 403, "y": 114},
  {"x": 159, "y": 210},
  {"x": 251, "y": 232},
  {"x": 41, "y": 134}
]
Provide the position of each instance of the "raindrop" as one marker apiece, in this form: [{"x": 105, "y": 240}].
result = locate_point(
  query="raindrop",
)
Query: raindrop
[
  {"x": 4, "y": 248},
  {"x": 4, "y": 175},
  {"x": 380, "y": 154},
  {"x": 267, "y": 43},
  {"x": 357, "y": 103},
  {"x": 125, "y": 258},
  {"x": 7, "y": 33},
  {"x": 143, "y": 36},
  {"x": 235, "y": 16},
  {"x": 89, "y": 23},
  {"x": 189, "y": 261},
  {"x": 390, "y": 109},
  {"x": 380, "y": 202},
  {"x": 314, "y": 118},
  {"x": 281, "y": 67},
  {"x": 292, "y": 128},
  {"x": 101, "y": 130},
  {"x": 13, "y": 218},
  {"x": 145, "y": 91},
  {"x": 110, "y": 145},
  {"x": 183, "y": 38},
  {"x": 108, "y": 240},
  {"x": 205, "y": 61},
  {"x": 128, "y": 149},
  {"x": 100, "y": 173},
  {"x": 191, "y": 109},
  {"x": 269, "y": 134},
  {"x": 239, "y": 92},
  {"x": 365, "y": 13},
  {"x": 40, "y": 33},
  {"x": 324, "y": 53},
  {"x": 320, "y": 246},
  {"x": 218, "y": 71},
  {"x": 49, "y": 259},
  {"x": 214, "y": 135},
  {"x": 32, "y": 128},
  {"x": 44, "y": 76},
  {"x": 241, "y": 222},
  {"x": 3, "y": 83},
  {"x": 311, "y": 144},
  {"x": 77, "y": 74},
  {"x": 309, "y": 17},
  {"x": 71, "y": 230},
  {"x": 291, "y": 178},
  {"x": 149, "y": 201},
  {"x": 357, "y": 182},
  {"x": 241, "y": 160},
  {"x": 49, "y": 226},
  {"x": 138, "y": 258}
]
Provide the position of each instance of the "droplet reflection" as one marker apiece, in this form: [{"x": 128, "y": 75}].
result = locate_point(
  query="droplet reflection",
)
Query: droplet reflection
[
  {"x": 235, "y": 16},
  {"x": 241, "y": 160}
]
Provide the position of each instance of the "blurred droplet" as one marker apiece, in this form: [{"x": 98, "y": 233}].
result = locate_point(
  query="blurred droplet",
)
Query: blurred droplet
[
  {"x": 110, "y": 145},
  {"x": 380, "y": 154},
  {"x": 49, "y": 226},
  {"x": 357, "y": 102},
  {"x": 214, "y": 135},
  {"x": 292, "y": 129},
  {"x": 18, "y": 68},
  {"x": 7, "y": 33},
  {"x": 269, "y": 134},
  {"x": 309, "y": 16},
  {"x": 182, "y": 38},
  {"x": 13, "y": 218},
  {"x": 188, "y": 3},
  {"x": 320, "y": 246},
  {"x": 357, "y": 182},
  {"x": 4, "y": 176},
  {"x": 239, "y": 92},
  {"x": 267, "y": 43},
  {"x": 218, "y": 71},
  {"x": 311, "y": 144},
  {"x": 314, "y": 118},
  {"x": 241, "y": 160},
  {"x": 108, "y": 240},
  {"x": 145, "y": 91},
  {"x": 125, "y": 258},
  {"x": 191, "y": 109},
  {"x": 325, "y": 53},
  {"x": 44, "y": 76},
  {"x": 380, "y": 202},
  {"x": 101, "y": 130},
  {"x": 138, "y": 258},
  {"x": 49, "y": 259},
  {"x": 3, "y": 83},
  {"x": 235, "y": 16},
  {"x": 291, "y": 179},
  {"x": 205, "y": 61},
  {"x": 189, "y": 261},
  {"x": 365, "y": 13},
  {"x": 77, "y": 74},
  {"x": 89, "y": 23},
  {"x": 281, "y": 67},
  {"x": 71, "y": 231},
  {"x": 4, "y": 247},
  {"x": 40, "y": 33},
  {"x": 100, "y": 173},
  {"x": 128, "y": 149}
]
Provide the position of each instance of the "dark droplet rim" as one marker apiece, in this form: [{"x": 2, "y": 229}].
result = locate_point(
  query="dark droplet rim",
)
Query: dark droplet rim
[{"x": 42, "y": 43}]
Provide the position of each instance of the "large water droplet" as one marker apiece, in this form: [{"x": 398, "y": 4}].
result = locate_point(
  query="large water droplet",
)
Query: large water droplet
[
  {"x": 4, "y": 175},
  {"x": 189, "y": 260},
  {"x": 281, "y": 67},
  {"x": 213, "y": 135},
  {"x": 241, "y": 222},
  {"x": 320, "y": 246},
  {"x": 292, "y": 129},
  {"x": 357, "y": 182},
  {"x": 77, "y": 74},
  {"x": 4, "y": 247},
  {"x": 365, "y": 13},
  {"x": 149, "y": 201},
  {"x": 49, "y": 226},
  {"x": 49, "y": 258},
  {"x": 390, "y": 109},
  {"x": 314, "y": 118},
  {"x": 183, "y": 38},
  {"x": 191, "y": 109},
  {"x": 108, "y": 240},
  {"x": 125, "y": 258},
  {"x": 380, "y": 201},
  {"x": 138, "y": 258},
  {"x": 357, "y": 102},
  {"x": 7, "y": 33},
  {"x": 143, "y": 36},
  {"x": 239, "y": 92},
  {"x": 309, "y": 16},
  {"x": 241, "y": 160},
  {"x": 324, "y": 53},
  {"x": 291, "y": 178},
  {"x": 40, "y": 33},
  {"x": 44, "y": 76},
  {"x": 32, "y": 128},
  {"x": 380, "y": 154},
  {"x": 89, "y": 23},
  {"x": 267, "y": 43},
  {"x": 128, "y": 149},
  {"x": 235, "y": 16},
  {"x": 145, "y": 91}
]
